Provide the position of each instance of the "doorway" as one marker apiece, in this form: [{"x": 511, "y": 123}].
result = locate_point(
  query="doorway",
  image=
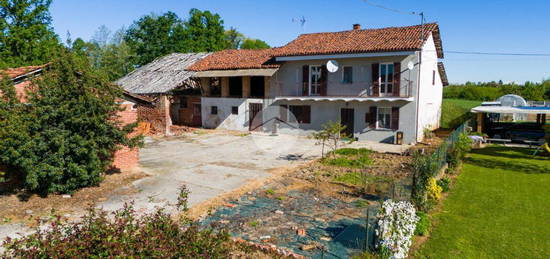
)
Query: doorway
[
  {"x": 347, "y": 119},
  {"x": 255, "y": 118},
  {"x": 197, "y": 119}
]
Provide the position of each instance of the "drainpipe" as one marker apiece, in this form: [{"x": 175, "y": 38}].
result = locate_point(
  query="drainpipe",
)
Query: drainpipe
[{"x": 418, "y": 95}]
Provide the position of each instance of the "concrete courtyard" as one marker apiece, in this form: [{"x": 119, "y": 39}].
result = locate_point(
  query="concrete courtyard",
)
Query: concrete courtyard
[{"x": 210, "y": 164}]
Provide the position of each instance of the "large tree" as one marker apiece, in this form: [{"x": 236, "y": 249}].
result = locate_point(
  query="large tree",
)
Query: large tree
[
  {"x": 233, "y": 38},
  {"x": 26, "y": 35},
  {"x": 205, "y": 31},
  {"x": 153, "y": 36},
  {"x": 67, "y": 131}
]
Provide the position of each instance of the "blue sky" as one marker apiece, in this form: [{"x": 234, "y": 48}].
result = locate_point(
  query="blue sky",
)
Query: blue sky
[{"x": 467, "y": 25}]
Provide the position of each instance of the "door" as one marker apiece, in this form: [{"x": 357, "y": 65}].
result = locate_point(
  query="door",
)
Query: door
[
  {"x": 255, "y": 116},
  {"x": 347, "y": 120},
  {"x": 197, "y": 121}
]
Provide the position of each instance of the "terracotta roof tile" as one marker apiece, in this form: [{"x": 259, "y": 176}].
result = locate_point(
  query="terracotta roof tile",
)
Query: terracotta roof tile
[
  {"x": 354, "y": 41},
  {"x": 363, "y": 41},
  {"x": 16, "y": 72},
  {"x": 237, "y": 59}
]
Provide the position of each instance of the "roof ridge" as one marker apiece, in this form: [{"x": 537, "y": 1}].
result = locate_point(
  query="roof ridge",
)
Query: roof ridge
[{"x": 370, "y": 29}]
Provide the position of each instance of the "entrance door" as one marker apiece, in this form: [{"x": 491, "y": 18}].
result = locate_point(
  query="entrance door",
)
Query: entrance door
[
  {"x": 255, "y": 118},
  {"x": 346, "y": 116},
  {"x": 197, "y": 121}
]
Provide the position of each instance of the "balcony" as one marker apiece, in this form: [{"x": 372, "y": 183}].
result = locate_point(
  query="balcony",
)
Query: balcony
[{"x": 369, "y": 94}]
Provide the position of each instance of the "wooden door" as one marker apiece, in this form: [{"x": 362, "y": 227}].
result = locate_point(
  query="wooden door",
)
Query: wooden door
[
  {"x": 347, "y": 119},
  {"x": 255, "y": 116},
  {"x": 197, "y": 119}
]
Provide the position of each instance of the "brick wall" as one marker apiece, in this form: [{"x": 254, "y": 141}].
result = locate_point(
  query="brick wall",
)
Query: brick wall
[{"x": 126, "y": 159}]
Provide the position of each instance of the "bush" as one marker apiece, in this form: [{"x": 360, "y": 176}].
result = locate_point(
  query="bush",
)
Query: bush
[
  {"x": 353, "y": 151},
  {"x": 64, "y": 137},
  {"x": 396, "y": 226},
  {"x": 423, "y": 224},
  {"x": 434, "y": 190},
  {"x": 124, "y": 234},
  {"x": 444, "y": 183},
  {"x": 457, "y": 152}
]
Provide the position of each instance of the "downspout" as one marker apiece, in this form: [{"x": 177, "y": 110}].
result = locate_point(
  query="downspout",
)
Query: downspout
[{"x": 418, "y": 95}]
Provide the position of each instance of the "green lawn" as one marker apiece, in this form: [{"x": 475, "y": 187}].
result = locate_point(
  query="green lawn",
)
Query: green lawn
[
  {"x": 455, "y": 111},
  {"x": 498, "y": 208}
]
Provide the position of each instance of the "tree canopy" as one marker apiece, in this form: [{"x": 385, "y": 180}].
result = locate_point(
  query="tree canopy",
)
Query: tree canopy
[
  {"x": 26, "y": 34},
  {"x": 254, "y": 44},
  {"x": 64, "y": 136}
]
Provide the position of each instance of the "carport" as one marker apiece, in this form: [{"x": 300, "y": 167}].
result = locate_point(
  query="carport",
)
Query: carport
[{"x": 492, "y": 121}]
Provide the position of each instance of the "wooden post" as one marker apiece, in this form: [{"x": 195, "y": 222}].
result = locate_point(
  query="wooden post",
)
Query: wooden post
[
  {"x": 205, "y": 86},
  {"x": 225, "y": 86},
  {"x": 246, "y": 86},
  {"x": 266, "y": 86},
  {"x": 480, "y": 122}
]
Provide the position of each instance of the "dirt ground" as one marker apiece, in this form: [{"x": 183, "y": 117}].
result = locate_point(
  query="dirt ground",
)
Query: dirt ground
[{"x": 20, "y": 208}]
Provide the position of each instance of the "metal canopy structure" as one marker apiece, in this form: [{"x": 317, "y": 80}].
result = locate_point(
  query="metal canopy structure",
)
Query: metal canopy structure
[{"x": 511, "y": 109}]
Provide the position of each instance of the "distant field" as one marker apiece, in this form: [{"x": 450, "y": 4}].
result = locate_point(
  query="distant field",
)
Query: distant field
[{"x": 455, "y": 111}]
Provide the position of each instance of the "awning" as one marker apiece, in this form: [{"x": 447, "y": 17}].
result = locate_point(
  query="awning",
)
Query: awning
[
  {"x": 344, "y": 99},
  {"x": 237, "y": 72},
  {"x": 510, "y": 109}
]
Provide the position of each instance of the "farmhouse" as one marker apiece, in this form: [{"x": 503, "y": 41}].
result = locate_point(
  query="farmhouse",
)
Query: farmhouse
[{"x": 384, "y": 85}]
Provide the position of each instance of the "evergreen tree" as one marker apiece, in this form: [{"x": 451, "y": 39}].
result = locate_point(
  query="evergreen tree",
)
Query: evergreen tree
[
  {"x": 68, "y": 132},
  {"x": 26, "y": 35}
]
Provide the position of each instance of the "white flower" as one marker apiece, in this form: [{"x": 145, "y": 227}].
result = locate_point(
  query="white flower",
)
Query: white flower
[{"x": 396, "y": 225}]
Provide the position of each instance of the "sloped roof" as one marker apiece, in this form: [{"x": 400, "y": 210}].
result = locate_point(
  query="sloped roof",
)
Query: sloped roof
[
  {"x": 355, "y": 41},
  {"x": 161, "y": 75},
  {"x": 14, "y": 73},
  {"x": 442, "y": 73},
  {"x": 238, "y": 59},
  {"x": 364, "y": 41}
]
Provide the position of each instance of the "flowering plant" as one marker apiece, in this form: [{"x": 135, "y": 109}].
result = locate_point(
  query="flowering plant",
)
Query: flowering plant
[{"x": 396, "y": 225}]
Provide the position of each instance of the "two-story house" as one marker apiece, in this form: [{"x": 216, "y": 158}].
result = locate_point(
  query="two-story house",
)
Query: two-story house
[{"x": 382, "y": 84}]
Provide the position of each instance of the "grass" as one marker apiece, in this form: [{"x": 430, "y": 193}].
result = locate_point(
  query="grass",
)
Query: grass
[
  {"x": 498, "y": 208},
  {"x": 349, "y": 157},
  {"x": 455, "y": 111}
]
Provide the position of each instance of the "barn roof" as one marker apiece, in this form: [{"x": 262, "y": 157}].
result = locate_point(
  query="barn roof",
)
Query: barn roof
[{"x": 162, "y": 75}]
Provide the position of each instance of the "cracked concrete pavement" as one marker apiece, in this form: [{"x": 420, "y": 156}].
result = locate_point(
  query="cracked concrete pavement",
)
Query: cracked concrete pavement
[{"x": 209, "y": 164}]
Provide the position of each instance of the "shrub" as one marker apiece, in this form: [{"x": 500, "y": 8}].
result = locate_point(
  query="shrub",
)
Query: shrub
[
  {"x": 423, "y": 224},
  {"x": 462, "y": 146},
  {"x": 434, "y": 190},
  {"x": 353, "y": 151},
  {"x": 124, "y": 234},
  {"x": 444, "y": 183},
  {"x": 396, "y": 226}
]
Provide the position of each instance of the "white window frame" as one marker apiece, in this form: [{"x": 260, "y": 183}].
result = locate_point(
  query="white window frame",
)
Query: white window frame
[
  {"x": 344, "y": 75},
  {"x": 383, "y": 84},
  {"x": 378, "y": 120},
  {"x": 318, "y": 80}
]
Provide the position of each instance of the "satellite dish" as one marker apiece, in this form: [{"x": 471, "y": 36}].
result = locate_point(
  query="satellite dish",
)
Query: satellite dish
[
  {"x": 410, "y": 65},
  {"x": 332, "y": 66}
]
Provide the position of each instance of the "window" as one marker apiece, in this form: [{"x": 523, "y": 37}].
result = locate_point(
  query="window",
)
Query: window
[
  {"x": 386, "y": 79},
  {"x": 214, "y": 110},
  {"x": 183, "y": 102},
  {"x": 234, "y": 110},
  {"x": 215, "y": 86},
  {"x": 302, "y": 113},
  {"x": 236, "y": 86},
  {"x": 347, "y": 77},
  {"x": 314, "y": 80},
  {"x": 383, "y": 118}
]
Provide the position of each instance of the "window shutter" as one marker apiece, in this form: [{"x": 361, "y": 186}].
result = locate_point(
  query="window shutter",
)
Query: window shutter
[
  {"x": 305, "y": 80},
  {"x": 370, "y": 117},
  {"x": 283, "y": 111},
  {"x": 324, "y": 80},
  {"x": 375, "y": 77},
  {"x": 396, "y": 78},
  {"x": 306, "y": 113},
  {"x": 395, "y": 118}
]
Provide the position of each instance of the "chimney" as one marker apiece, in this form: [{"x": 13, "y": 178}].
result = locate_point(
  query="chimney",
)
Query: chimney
[{"x": 357, "y": 26}]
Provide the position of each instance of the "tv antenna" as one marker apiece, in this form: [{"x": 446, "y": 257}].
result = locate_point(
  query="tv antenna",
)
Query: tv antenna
[{"x": 302, "y": 21}]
